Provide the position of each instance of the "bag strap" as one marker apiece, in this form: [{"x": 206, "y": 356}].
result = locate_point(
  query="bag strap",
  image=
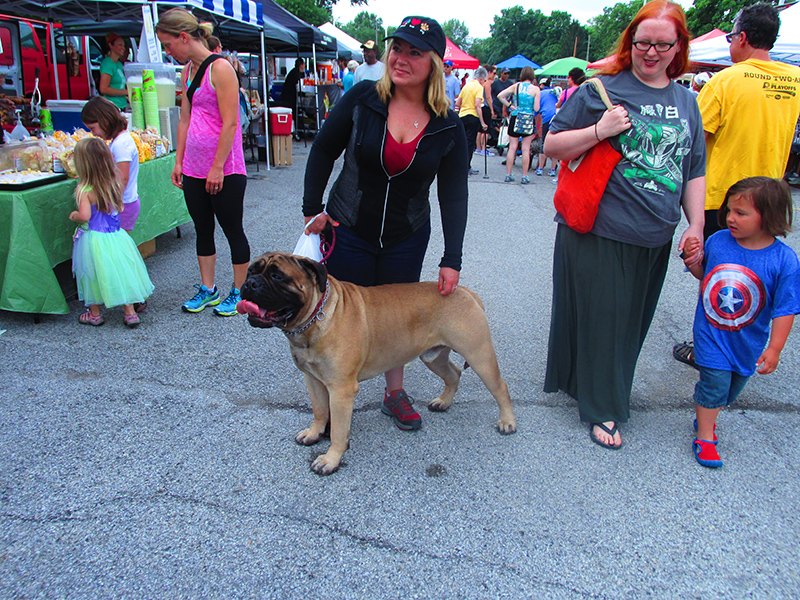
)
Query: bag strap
[
  {"x": 600, "y": 90},
  {"x": 198, "y": 77}
]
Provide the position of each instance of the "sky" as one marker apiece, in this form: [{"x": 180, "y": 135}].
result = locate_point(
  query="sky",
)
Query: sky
[{"x": 478, "y": 17}]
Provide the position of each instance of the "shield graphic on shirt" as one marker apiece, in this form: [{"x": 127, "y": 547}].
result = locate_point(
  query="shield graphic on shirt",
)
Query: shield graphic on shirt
[{"x": 733, "y": 297}]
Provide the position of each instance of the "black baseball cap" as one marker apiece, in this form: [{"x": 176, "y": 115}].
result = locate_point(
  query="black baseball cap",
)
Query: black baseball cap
[{"x": 421, "y": 32}]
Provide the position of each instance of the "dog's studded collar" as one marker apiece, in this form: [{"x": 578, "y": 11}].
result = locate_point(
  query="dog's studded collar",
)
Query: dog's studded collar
[{"x": 319, "y": 314}]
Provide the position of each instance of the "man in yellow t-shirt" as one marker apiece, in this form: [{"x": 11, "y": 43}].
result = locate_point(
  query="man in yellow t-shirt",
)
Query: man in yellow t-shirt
[
  {"x": 469, "y": 105},
  {"x": 749, "y": 110},
  {"x": 749, "y": 114}
]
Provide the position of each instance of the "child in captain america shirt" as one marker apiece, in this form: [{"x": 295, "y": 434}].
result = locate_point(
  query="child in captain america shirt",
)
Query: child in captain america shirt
[{"x": 750, "y": 280}]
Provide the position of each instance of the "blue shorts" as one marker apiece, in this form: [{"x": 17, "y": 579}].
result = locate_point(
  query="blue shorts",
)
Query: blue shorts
[
  {"x": 365, "y": 264},
  {"x": 718, "y": 388}
]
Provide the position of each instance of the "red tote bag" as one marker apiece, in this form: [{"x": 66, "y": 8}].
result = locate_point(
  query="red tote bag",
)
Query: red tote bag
[{"x": 583, "y": 180}]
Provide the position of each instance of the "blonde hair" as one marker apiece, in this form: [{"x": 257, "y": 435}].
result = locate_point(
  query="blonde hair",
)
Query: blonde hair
[
  {"x": 434, "y": 91},
  {"x": 96, "y": 168},
  {"x": 179, "y": 20}
]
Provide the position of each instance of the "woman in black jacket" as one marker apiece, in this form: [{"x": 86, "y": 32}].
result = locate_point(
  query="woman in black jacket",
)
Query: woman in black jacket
[{"x": 397, "y": 135}]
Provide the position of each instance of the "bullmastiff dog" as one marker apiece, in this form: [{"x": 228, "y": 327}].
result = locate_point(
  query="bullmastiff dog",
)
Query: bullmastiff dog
[{"x": 341, "y": 334}]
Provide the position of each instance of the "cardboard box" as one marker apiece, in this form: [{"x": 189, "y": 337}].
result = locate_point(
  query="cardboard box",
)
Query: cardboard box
[
  {"x": 281, "y": 147},
  {"x": 147, "y": 248}
]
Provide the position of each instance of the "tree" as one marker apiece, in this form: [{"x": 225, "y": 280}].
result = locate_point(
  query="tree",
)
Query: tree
[
  {"x": 705, "y": 15},
  {"x": 458, "y": 33},
  {"x": 315, "y": 12},
  {"x": 540, "y": 37},
  {"x": 365, "y": 26},
  {"x": 605, "y": 29},
  {"x": 482, "y": 49}
]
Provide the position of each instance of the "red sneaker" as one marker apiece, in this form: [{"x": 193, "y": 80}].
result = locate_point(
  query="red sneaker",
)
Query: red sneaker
[
  {"x": 706, "y": 453},
  {"x": 398, "y": 406}
]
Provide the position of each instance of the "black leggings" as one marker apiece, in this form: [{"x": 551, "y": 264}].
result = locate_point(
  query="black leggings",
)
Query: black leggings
[{"x": 227, "y": 206}]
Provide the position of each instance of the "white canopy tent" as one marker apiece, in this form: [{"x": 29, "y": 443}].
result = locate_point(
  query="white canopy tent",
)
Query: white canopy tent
[
  {"x": 786, "y": 48},
  {"x": 344, "y": 41}
]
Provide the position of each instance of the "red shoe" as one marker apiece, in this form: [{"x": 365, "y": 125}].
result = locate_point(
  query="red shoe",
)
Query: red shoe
[
  {"x": 398, "y": 406},
  {"x": 706, "y": 453}
]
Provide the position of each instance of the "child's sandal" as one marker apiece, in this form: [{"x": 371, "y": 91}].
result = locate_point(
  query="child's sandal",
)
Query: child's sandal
[
  {"x": 88, "y": 318},
  {"x": 131, "y": 320}
]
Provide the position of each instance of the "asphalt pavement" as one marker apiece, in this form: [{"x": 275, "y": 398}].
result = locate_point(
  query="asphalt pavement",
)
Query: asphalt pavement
[{"x": 160, "y": 463}]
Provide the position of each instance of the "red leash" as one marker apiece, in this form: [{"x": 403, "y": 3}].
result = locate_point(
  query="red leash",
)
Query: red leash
[{"x": 324, "y": 247}]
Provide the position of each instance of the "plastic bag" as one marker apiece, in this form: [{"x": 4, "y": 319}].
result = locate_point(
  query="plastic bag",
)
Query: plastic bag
[{"x": 309, "y": 244}]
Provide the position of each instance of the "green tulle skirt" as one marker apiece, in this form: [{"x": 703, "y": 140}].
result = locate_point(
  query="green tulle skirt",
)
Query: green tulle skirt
[{"x": 109, "y": 269}]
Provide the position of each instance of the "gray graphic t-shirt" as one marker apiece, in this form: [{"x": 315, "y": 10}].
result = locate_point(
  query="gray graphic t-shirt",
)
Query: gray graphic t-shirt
[{"x": 663, "y": 150}]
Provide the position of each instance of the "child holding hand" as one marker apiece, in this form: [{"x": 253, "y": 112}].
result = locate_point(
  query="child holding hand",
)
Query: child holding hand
[
  {"x": 750, "y": 280},
  {"x": 107, "y": 265}
]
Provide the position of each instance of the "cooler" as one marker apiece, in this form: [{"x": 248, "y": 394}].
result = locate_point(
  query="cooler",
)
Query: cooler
[
  {"x": 280, "y": 120},
  {"x": 66, "y": 114}
]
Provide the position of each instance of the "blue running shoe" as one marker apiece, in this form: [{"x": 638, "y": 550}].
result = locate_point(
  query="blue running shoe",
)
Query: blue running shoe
[
  {"x": 204, "y": 297},
  {"x": 228, "y": 306}
]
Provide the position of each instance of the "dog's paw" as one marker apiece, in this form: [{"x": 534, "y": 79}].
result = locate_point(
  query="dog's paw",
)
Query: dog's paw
[
  {"x": 506, "y": 427},
  {"x": 438, "y": 405},
  {"x": 325, "y": 465},
  {"x": 307, "y": 437}
]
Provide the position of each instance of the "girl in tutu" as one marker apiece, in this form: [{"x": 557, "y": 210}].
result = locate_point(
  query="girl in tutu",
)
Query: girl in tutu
[{"x": 107, "y": 265}]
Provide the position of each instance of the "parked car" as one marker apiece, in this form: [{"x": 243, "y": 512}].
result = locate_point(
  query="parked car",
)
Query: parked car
[{"x": 25, "y": 46}]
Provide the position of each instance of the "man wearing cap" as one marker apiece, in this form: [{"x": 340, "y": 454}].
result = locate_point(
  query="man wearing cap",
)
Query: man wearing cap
[
  {"x": 749, "y": 114},
  {"x": 452, "y": 85},
  {"x": 498, "y": 85},
  {"x": 372, "y": 69}
]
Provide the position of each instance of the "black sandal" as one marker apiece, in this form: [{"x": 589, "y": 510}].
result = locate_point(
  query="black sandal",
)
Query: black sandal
[
  {"x": 610, "y": 432},
  {"x": 684, "y": 353}
]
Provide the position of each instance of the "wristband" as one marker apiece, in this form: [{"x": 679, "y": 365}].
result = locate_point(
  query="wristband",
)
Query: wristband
[{"x": 595, "y": 133}]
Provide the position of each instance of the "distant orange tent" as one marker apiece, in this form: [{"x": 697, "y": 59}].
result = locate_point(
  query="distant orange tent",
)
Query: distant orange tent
[
  {"x": 599, "y": 64},
  {"x": 461, "y": 60}
]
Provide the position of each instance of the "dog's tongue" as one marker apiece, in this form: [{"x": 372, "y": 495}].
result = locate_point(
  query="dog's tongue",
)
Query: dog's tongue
[{"x": 245, "y": 307}]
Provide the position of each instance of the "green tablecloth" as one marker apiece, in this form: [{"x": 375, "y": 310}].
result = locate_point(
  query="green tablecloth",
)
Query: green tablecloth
[{"x": 36, "y": 234}]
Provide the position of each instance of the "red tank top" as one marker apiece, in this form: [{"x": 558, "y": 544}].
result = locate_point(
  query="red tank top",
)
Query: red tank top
[{"x": 397, "y": 156}]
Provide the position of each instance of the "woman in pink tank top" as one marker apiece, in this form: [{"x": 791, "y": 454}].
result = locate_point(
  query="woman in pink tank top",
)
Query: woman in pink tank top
[{"x": 209, "y": 159}]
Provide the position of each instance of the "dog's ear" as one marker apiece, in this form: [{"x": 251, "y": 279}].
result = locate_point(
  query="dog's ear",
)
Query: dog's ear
[{"x": 316, "y": 270}]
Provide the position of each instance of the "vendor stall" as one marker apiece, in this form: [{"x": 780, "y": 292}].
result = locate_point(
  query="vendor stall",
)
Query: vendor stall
[{"x": 36, "y": 233}]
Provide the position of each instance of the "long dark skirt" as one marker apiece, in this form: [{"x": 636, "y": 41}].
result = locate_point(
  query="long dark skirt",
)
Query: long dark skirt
[{"x": 604, "y": 297}]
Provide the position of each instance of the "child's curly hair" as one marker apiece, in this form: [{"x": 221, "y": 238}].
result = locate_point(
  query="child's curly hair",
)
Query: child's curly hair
[{"x": 772, "y": 198}]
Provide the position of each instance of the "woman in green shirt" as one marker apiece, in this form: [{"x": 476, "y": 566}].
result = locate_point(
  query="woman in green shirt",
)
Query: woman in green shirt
[{"x": 112, "y": 78}]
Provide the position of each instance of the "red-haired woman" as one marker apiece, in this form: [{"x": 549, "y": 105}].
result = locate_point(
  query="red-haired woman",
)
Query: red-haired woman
[{"x": 606, "y": 283}]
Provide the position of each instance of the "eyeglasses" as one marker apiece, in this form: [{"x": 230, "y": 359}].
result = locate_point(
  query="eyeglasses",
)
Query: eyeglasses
[
  {"x": 659, "y": 46},
  {"x": 730, "y": 36}
]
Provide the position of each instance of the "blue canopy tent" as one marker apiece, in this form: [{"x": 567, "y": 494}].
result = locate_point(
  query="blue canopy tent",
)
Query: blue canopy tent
[{"x": 518, "y": 61}]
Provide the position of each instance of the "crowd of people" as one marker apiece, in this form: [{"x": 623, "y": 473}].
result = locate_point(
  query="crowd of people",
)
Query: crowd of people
[{"x": 405, "y": 123}]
